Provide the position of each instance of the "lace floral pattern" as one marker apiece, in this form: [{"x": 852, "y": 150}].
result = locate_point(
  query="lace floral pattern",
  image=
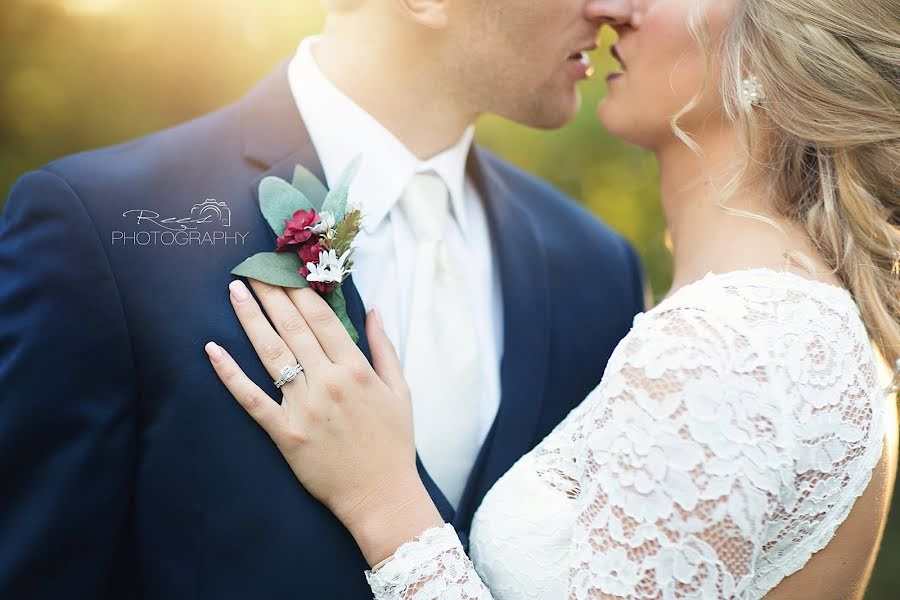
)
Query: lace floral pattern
[
  {"x": 683, "y": 466},
  {"x": 433, "y": 565},
  {"x": 733, "y": 430}
]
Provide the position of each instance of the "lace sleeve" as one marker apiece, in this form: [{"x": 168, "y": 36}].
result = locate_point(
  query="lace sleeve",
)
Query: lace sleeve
[
  {"x": 684, "y": 461},
  {"x": 434, "y": 565}
]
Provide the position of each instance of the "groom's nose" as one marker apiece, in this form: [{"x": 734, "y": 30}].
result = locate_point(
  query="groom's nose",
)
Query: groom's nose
[{"x": 610, "y": 12}]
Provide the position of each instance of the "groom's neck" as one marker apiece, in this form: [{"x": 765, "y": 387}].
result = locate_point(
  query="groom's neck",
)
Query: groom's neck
[{"x": 398, "y": 86}]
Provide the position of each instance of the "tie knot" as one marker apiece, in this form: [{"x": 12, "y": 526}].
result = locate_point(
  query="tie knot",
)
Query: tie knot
[{"x": 425, "y": 204}]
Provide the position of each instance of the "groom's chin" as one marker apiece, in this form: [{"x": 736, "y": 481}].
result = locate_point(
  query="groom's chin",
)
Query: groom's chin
[{"x": 555, "y": 112}]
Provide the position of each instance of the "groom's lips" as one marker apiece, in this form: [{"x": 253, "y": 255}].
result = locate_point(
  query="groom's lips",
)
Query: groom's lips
[
  {"x": 579, "y": 54},
  {"x": 579, "y": 63}
]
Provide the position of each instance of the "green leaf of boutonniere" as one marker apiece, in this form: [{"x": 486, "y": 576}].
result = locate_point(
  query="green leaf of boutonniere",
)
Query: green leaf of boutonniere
[
  {"x": 336, "y": 201},
  {"x": 338, "y": 304},
  {"x": 275, "y": 268},
  {"x": 279, "y": 200},
  {"x": 346, "y": 231},
  {"x": 310, "y": 186}
]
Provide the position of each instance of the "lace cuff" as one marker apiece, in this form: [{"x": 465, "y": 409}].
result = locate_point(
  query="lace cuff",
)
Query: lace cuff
[{"x": 431, "y": 565}]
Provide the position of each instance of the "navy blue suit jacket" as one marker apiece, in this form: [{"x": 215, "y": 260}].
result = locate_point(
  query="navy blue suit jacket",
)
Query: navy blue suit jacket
[{"x": 127, "y": 469}]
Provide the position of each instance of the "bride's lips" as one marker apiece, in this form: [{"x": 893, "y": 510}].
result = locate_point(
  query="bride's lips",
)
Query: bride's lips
[
  {"x": 615, "y": 52},
  {"x": 616, "y": 74},
  {"x": 579, "y": 63}
]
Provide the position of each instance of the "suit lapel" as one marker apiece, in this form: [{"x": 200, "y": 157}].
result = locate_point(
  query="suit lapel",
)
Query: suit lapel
[
  {"x": 526, "y": 316},
  {"x": 275, "y": 139}
]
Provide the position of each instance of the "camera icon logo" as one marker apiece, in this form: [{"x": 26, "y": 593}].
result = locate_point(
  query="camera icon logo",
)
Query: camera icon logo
[{"x": 220, "y": 211}]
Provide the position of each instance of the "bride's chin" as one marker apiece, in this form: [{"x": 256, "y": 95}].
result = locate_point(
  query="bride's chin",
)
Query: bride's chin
[
  {"x": 603, "y": 111},
  {"x": 621, "y": 124},
  {"x": 606, "y": 115}
]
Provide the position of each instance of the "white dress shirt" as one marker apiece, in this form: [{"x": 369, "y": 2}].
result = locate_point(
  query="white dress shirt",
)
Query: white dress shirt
[{"x": 385, "y": 250}]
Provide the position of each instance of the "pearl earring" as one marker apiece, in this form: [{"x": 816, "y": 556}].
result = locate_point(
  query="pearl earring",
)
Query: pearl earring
[{"x": 752, "y": 91}]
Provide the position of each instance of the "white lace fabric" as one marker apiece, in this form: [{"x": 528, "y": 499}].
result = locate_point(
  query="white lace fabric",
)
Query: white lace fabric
[
  {"x": 433, "y": 565},
  {"x": 734, "y": 428}
]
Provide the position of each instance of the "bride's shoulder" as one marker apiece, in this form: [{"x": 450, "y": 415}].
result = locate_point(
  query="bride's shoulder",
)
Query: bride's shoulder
[
  {"x": 763, "y": 345},
  {"x": 780, "y": 327},
  {"x": 760, "y": 302}
]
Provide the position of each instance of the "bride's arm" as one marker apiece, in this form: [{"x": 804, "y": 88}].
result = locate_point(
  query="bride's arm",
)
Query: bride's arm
[
  {"x": 684, "y": 454},
  {"x": 684, "y": 460}
]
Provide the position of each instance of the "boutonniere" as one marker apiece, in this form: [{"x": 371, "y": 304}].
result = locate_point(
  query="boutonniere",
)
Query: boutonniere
[{"x": 315, "y": 233}]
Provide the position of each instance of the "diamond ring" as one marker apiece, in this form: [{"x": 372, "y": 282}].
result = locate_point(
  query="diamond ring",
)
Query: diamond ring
[{"x": 288, "y": 373}]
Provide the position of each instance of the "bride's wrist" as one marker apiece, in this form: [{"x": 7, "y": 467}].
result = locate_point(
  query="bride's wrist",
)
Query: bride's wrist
[{"x": 390, "y": 515}]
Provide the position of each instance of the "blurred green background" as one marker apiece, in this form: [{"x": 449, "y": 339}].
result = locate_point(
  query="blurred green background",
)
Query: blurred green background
[{"x": 79, "y": 74}]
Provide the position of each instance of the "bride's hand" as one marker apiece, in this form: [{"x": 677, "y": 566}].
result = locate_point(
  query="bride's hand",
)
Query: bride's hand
[{"x": 345, "y": 429}]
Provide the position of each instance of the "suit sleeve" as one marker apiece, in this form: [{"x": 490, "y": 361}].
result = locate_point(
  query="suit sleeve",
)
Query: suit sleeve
[{"x": 67, "y": 399}]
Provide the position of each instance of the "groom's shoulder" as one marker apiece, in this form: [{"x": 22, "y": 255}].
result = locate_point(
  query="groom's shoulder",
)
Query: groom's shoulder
[
  {"x": 565, "y": 224},
  {"x": 165, "y": 171},
  {"x": 153, "y": 158}
]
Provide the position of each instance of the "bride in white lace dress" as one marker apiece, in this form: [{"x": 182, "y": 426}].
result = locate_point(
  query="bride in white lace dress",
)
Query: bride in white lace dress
[{"x": 741, "y": 443}]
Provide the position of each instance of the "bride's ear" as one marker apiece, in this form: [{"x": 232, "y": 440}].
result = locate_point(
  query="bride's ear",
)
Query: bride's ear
[{"x": 429, "y": 13}]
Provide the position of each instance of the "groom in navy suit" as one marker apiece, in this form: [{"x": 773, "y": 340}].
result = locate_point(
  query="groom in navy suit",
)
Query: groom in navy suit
[{"x": 127, "y": 469}]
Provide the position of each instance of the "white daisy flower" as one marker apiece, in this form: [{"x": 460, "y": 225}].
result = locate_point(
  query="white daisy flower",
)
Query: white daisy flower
[
  {"x": 330, "y": 268},
  {"x": 326, "y": 223}
]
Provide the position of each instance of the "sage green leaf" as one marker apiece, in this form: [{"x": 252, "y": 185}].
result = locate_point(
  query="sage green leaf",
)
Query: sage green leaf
[
  {"x": 336, "y": 201},
  {"x": 276, "y": 268},
  {"x": 339, "y": 305},
  {"x": 310, "y": 186},
  {"x": 279, "y": 200}
]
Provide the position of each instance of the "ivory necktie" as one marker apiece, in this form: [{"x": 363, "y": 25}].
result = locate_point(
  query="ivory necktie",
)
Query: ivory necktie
[{"x": 441, "y": 360}]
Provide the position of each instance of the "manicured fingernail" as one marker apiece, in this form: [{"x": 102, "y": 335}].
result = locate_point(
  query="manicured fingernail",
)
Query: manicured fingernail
[
  {"x": 377, "y": 315},
  {"x": 214, "y": 351},
  {"x": 239, "y": 291}
]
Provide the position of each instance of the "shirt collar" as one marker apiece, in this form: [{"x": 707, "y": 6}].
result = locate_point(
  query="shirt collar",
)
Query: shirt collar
[{"x": 340, "y": 130}]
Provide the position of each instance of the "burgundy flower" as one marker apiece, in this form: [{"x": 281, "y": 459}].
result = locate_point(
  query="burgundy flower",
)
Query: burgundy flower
[
  {"x": 295, "y": 230},
  {"x": 322, "y": 288},
  {"x": 309, "y": 252}
]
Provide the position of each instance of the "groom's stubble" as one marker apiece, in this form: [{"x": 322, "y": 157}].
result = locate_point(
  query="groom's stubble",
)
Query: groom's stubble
[
  {"x": 510, "y": 58},
  {"x": 444, "y": 63}
]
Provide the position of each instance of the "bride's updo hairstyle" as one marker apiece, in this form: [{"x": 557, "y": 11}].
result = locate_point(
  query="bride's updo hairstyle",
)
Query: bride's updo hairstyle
[{"x": 825, "y": 136}]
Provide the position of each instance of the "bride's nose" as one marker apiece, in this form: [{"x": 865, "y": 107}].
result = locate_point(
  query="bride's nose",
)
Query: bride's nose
[{"x": 614, "y": 12}]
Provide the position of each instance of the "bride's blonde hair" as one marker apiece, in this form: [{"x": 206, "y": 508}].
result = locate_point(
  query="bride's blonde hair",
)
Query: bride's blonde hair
[{"x": 826, "y": 134}]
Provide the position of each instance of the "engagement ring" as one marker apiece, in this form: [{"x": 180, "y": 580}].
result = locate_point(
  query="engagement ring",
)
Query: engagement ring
[{"x": 288, "y": 373}]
